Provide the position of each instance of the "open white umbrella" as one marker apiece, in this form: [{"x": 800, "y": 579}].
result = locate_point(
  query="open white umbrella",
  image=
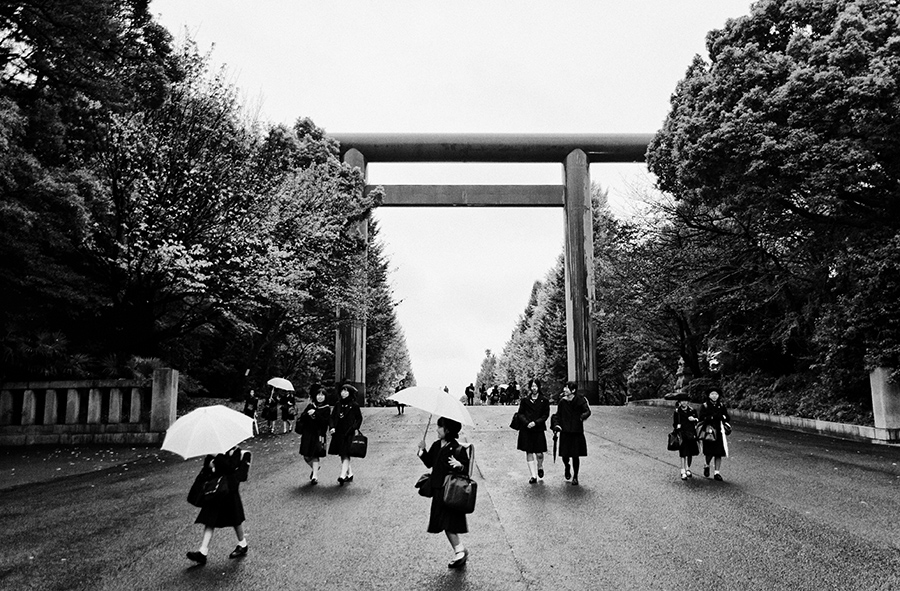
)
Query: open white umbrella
[
  {"x": 207, "y": 430},
  {"x": 435, "y": 401},
  {"x": 281, "y": 384}
]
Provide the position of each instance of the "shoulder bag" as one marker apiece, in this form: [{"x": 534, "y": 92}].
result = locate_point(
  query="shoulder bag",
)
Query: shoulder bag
[
  {"x": 359, "y": 443},
  {"x": 460, "y": 490},
  {"x": 196, "y": 493},
  {"x": 424, "y": 485},
  {"x": 674, "y": 443},
  {"x": 516, "y": 422},
  {"x": 214, "y": 489}
]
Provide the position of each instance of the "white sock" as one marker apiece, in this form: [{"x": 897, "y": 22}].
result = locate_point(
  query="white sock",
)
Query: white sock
[
  {"x": 532, "y": 468},
  {"x": 242, "y": 543},
  {"x": 204, "y": 550}
]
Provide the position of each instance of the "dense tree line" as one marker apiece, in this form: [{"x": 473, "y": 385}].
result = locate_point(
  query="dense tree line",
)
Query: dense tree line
[
  {"x": 771, "y": 266},
  {"x": 145, "y": 218}
]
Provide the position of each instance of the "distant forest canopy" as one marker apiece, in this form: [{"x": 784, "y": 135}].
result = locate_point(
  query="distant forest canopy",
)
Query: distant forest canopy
[
  {"x": 147, "y": 220},
  {"x": 771, "y": 266}
]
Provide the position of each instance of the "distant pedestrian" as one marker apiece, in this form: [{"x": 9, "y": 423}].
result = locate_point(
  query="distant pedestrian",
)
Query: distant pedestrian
[
  {"x": 470, "y": 394},
  {"x": 270, "y": 411},
  {"x": 512, "y": 393},
  {"x": 684, "y": 421},
  {"x": 401, "y": 408},
  {"x": 227, "y": 510},
  {"x": 568, "y": 421},
  {"x": 313, "y": 426},
  {"x": 345, "y": 419},
  {"x": 251, "y": 405},
  {"x": 714, "y": 417},
  {"x": 482, "y": 391},
  {"x": 534, "y": 410},
  {"x": 444, "y": 456},
  {"x": 288, "y": 405}
]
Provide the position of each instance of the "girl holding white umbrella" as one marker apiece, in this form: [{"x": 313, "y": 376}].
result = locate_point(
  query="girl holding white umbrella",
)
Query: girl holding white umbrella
[
  {"x": 215, "y": 431},
  {"x": 227, "y": 510},
  {"x": 444, "y": 456}
]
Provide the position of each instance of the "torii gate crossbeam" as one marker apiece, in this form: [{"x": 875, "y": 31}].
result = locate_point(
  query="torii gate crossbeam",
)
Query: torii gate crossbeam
[{"x": 575, "y": 151}]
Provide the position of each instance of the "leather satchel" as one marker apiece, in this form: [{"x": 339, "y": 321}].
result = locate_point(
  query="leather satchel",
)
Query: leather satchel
[
  {"x": 195, "y": 495},
  {"x": 214, "y": 489},
  {"x": 319, "y": 448},
  {"x": 460, "y": 491},
  {"x": 358, "y": 445},
  {"x": 516, "y": 422},
  {"x": 674, "y": 443},
  {"x": 424, "y": 485}
]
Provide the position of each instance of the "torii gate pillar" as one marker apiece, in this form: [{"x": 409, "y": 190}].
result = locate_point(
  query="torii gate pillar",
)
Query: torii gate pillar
[
  {"x": 350, "y": 335},
  {"x": 581, "y": 338}
]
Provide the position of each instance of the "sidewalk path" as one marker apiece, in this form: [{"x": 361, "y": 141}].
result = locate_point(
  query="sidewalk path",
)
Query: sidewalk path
[{"x": 796, "y": 512}]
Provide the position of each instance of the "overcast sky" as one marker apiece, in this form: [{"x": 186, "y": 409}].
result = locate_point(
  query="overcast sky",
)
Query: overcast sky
[{"x": 463, "y": 275}]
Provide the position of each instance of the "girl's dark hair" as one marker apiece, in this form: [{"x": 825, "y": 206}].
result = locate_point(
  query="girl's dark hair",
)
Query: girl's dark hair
[
  {"x": 451, "y": 427},
  {"x": 572, "y": 386},
  {"x": 535, "y": 381}
]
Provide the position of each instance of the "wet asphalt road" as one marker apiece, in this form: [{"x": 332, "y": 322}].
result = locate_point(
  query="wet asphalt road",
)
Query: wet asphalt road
[{"x": 796, "y": 512}]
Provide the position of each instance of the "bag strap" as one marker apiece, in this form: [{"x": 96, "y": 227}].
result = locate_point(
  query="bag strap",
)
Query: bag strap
[{"x": 471, "y": 447}]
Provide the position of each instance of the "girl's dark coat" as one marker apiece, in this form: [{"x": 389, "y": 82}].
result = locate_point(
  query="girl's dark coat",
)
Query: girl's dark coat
[
  {"x": 570, "y": 417},
  {"x": 288, "y": 406},
  {"x": 537, "y": 410},
  {"x": 345, "y": 419},
  {"x": 313, "y": 428},
  {"x": 714, "y": 414},
  {"x": 229, "y": 510},
  {"x": 443, "y": 518},
  {"x": 688, "y": 431}
]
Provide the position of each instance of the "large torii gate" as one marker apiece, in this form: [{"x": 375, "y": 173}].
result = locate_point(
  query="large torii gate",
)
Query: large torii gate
[{"x": 575, "y": 151}]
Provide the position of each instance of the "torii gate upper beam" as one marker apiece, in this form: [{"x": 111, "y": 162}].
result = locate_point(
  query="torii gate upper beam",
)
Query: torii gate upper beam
[{"x": 495, "y": 147}]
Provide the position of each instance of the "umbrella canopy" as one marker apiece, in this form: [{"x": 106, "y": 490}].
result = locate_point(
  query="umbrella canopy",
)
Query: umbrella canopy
[
  {"x": 281, "y": 384},
  {"x": 435, "y": 401},
  {"x": 207, "y": 430}
]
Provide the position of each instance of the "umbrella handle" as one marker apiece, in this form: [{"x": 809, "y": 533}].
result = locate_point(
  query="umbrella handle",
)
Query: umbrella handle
[{"x": 425, "y": 434}]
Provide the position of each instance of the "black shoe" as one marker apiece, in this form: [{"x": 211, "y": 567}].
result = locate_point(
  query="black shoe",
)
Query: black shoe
[
  {"x": 717, "y": 477},
  {"x": 706, "y": 471},
  {"x": 532, "y": 480},
  {"x": 239, "y": 551},
  {"x": 540, "y": 472},
  {"x": 313, "y": 481},
  {"x": 349, "y": 478},
  {"x": 341, "y": 481},
  {"x": 197, "y": 557},
  {"x": 568, "y": 472},
  {"x": 459, "y": 562},
  {"x": 574, "y": 481}
]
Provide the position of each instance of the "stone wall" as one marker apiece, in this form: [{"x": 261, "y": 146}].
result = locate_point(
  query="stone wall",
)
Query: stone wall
[{"x": 88, "y": 411}]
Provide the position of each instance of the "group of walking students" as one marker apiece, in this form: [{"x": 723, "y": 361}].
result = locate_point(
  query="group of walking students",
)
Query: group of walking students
[{"x": 448, "y": 456}]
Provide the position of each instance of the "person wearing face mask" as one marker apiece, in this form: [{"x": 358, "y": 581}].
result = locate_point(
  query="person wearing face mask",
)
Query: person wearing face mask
[
  {"x": 345, "y": 419},
  {"x": 312, "y": 426},
  {"x": 568, "y": 421},
  {"x": 444, "y": 456},
  {"x": 534, "y": 410},
  {"x": 714, "y": 416},
  {"x": 684, "y": 421}
]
